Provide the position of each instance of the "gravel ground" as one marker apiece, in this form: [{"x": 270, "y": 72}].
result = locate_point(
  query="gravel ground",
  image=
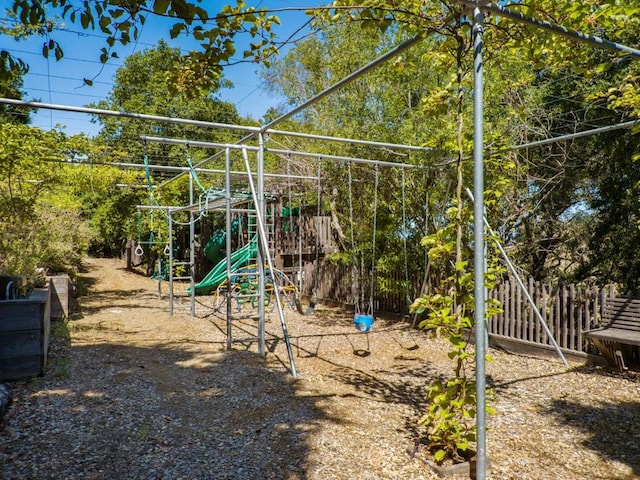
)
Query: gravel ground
[{"x": 134, "y": 393}]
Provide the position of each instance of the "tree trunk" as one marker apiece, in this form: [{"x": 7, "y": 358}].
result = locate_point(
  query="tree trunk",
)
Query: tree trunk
[{"x": 338, "y": 233}]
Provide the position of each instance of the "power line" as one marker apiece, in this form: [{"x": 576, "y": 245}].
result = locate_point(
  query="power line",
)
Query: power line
[
  {"x": 74, "y": 59},
  {"x": 60, "y": 77}
]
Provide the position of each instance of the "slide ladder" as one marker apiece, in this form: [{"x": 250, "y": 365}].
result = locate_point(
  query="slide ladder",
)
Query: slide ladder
[{"x": 247, "y": 279}]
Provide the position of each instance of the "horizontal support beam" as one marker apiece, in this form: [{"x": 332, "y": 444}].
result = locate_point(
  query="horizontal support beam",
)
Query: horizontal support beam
[
  {"x": 137, "y": 116},
  {"x": 337, "y": 158},
  {"x": 556, "y": 29}
]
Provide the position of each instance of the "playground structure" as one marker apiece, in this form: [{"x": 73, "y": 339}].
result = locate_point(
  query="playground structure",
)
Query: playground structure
[{"x": 265, "y": 241}]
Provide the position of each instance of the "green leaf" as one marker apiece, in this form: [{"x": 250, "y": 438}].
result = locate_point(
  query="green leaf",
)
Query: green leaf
[
  {"x": 85, "y": 20},
  {"x": 462, "y": 446},
  {"x": 116, "y": 13},
  {"x": 461, "y": 265},
  {"x": 176, "y": 29},
  {"x": 104, "y": 23},
  {"x": 160, "y": 6}
]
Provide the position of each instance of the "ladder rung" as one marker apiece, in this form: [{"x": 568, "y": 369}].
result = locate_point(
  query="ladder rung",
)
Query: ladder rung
[
  {"x": 245, "y": 317},
  {"x": 181, "y": 263},
  {"x": 182, "y": 278},
  {"x": 247, "y": 295},
  {"x": 246, "y": 339}
]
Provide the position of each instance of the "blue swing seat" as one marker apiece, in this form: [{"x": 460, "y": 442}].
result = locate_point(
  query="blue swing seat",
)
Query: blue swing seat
[{"x": 363, "y": 322}]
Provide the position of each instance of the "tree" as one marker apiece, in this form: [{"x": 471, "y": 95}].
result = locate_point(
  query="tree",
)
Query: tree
[
  {"x": 545, "y": 214},
  {"x": 41, "y": 227},
  {"x": 612, "y": 239},
  {"x": 11, "y": 74},
  {"x": 140, "y": 86}
]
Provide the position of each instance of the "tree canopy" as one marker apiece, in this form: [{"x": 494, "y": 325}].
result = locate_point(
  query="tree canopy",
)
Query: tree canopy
[{"x": 121, "y": 23}]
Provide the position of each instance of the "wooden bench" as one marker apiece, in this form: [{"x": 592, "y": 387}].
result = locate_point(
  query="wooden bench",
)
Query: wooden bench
[{"x": 619, "y": 330}]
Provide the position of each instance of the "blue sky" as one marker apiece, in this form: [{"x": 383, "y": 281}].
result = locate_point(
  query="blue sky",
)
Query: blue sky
[{"x": 61, "y": 82}]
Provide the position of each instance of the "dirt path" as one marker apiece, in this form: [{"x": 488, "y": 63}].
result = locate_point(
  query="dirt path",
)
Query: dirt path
[{"x": 137, "y": 394}]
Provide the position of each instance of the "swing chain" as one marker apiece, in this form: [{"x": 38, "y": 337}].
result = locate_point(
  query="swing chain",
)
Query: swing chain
[
  {"x": 314, "y": 290},
  {"x": 373, "y": 242},
  {"x": 404, "y": 235},
  {"x": 356, "y": 283}
]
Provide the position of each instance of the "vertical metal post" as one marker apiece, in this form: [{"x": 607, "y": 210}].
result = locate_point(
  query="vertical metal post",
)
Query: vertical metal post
[
  {"x": 192, "y": 250},
  {"x": 159, "y": 267},
  {"x": 276, "y": 292},
  {"x": 301, "y": 269},
  {"x": 478, "y": 240},
  {"x": 170, "y": 272},
  {"x": 227, "y": 184},
  {"x": 263, "y": 245}
]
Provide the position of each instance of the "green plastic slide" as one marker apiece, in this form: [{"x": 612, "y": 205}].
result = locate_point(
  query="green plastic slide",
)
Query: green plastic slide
[
  {"x": 218, "y": 274},
  {"x": 217, "y": 242}
]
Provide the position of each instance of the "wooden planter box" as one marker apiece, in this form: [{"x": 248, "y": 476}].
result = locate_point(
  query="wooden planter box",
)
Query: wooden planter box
[
  {"x": 59, "y": 287},
  {"x": 24, "y": 335}
]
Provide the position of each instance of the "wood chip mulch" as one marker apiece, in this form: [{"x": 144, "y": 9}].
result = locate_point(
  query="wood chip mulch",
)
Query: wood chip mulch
[{"x": 134, "y": 393}]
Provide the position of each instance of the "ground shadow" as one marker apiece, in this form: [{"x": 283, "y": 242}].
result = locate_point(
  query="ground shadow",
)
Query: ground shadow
[
  {"x": 501, "y": 386},
  {"x": 162, "y": 412},
  {"x": 618, "y": 444},
  {"x": 401, "y": 383}
]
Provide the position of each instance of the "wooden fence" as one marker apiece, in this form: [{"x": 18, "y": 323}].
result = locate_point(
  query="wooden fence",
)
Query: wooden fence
[
  {"x": 567, "y": 309},
  {"x": 337, "y": 283}
]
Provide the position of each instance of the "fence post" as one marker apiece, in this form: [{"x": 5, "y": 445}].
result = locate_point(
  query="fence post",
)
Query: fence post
[{"x": 570, "y": 324}]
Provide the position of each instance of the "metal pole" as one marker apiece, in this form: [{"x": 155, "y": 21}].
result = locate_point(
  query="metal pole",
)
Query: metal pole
[
  {"x": 339, "y": 158},
  {"x": 192, "y": 252},
  {"x": 168, "y": 168},
  {"x": 227, "y": 184},
  {"x": 170, "y": 263},
  {"x": 569, "y": 136},
  {"x": 557, "y": 29},
  {"x": 350, "y": 141},
  {"x": 361, "y": 71},
  {"x": 478, "y": 239},
  {"x": 202, "y": 144},
  {"x": 159, "y": 267},
  {"x": 548, "y": 141},
  {"x": 263, "y": 250},
  {"x": 137, "y": 116},
  {"x": 263, "y": 238}
]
